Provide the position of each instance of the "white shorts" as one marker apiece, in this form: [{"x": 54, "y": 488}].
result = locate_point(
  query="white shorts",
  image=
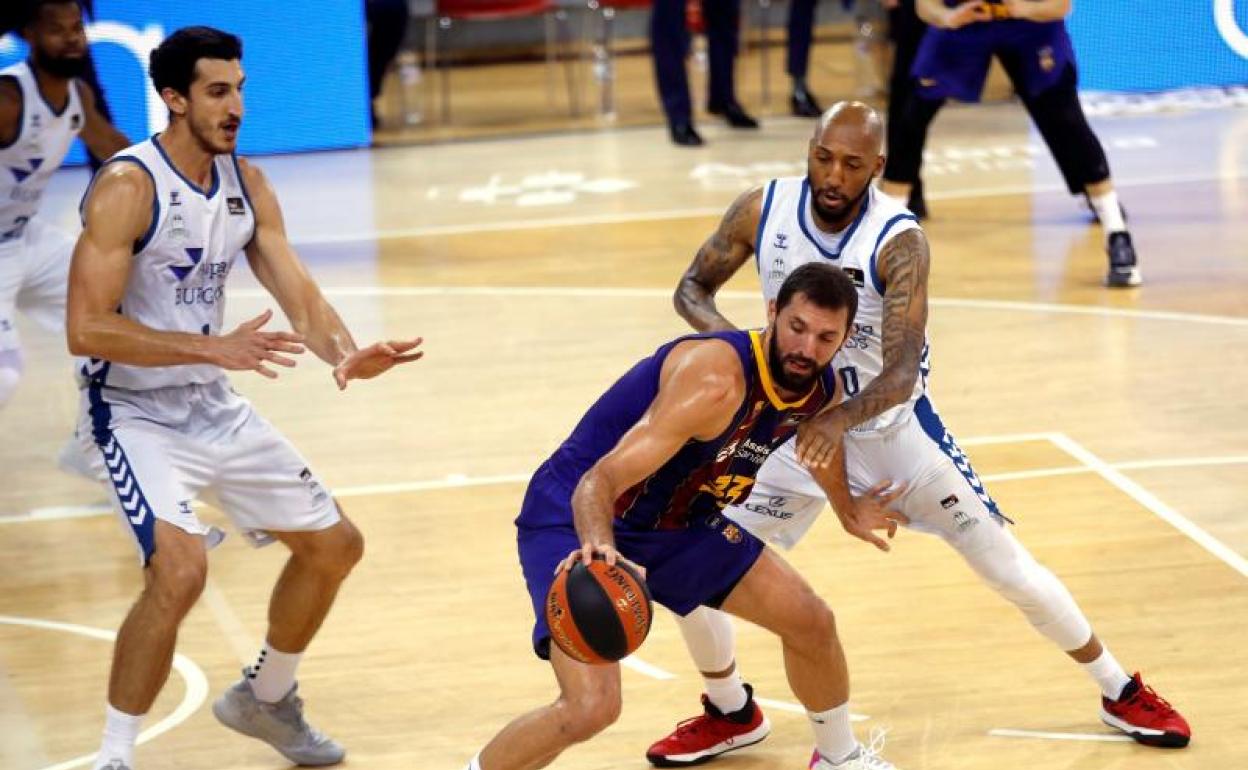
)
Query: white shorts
[
  {"x": 34, "y": 278},
  {"x": 944, "y": 496},
  {"x": 164, "y": 448}
]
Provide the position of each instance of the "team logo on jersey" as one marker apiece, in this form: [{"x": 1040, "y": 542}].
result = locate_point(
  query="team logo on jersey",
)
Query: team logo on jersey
[
  {"x": 732, "y": 533},
  {"x": 36, "y": 122},
  {"x": 727, "y": 452},
  {"x": 235, "y": 206},
  {"x": 21, "y": 174},
  {"x": 182, "y": 271},
  {"x": 782, "y": 241},
  {"x": 949, "y": 502},
  {"x": 857, "y": 276},
  {"x": 75, "y": 121},
  {"x": 1047, "y": 62},
  {"x": 963, "y": 521},
  {"x": 177, "y": 227}
]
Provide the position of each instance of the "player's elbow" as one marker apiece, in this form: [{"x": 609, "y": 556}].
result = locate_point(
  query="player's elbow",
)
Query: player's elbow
[{"x": 80, "y": 337}]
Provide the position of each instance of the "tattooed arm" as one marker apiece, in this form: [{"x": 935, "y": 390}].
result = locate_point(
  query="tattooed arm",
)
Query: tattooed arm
[
  {"x": 728, "y": 248},
  {"x": 903, "y": 265}
]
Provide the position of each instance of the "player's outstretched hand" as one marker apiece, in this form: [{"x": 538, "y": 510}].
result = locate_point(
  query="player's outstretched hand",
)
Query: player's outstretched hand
[
  {"x": 818, "y": 438},
  {"x": 871, "y": 512},
  {"x": 586, "y": 554},
  {"x": 378, "y": 358},
  {"x": 249, "y": 349}
]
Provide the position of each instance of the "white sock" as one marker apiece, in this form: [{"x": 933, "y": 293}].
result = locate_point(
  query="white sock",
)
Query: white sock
[
  {"x": 120, "y": 731},
  {"x": 1108, "y": 674},
  {"x": 475, "y": 763},
  {"x": 1109, "y": 212},
  {"x": 833, "y": 736},
  {"x": 726, "y": 692},
  {"x": 274, "y": 674}
]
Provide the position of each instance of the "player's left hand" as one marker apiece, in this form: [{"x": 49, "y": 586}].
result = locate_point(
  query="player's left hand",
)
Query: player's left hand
[
  {"x": 818, "y": 438},
  {"x": 378, "y": 358},
  {"x": 871, "y": 512}
]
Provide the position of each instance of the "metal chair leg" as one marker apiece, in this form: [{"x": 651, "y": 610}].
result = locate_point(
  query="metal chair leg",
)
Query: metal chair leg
[
  {"x": 444, "y": 73},
  {"x": 570, "y": 59}
]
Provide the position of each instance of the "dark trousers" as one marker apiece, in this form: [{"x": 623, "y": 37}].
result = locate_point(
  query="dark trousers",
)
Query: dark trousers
[
  {"x": 906, "y": 30},
  {"x": 669, "y": 40},
  {"x": 801, "y": 31},
  {"x": 387, "y": 26}
]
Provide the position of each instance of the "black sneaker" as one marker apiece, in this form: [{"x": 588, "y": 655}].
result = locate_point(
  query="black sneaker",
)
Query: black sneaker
[
  {"x": 802, "y": 102},
  {"x": 734, "y": 114},
  {"x": 1123, "y": 271}
]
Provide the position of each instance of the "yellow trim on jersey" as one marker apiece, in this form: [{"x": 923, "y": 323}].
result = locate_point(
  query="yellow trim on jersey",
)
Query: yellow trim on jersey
[{"x": 764, "y": 375}]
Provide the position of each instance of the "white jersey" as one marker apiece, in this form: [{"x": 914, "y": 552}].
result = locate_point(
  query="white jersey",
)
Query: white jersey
[
  {"x": 788, "y": 238},
  {"x": 177, "y": 278},
  {"x": 28, "y": 162}
]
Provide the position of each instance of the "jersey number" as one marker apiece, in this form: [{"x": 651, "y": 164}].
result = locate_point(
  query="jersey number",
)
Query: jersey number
[
  {"x": 849, "y": 376},
  {"x": 728, "y": 490}
]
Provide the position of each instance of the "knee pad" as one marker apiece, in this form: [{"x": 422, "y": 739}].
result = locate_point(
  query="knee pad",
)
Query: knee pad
[
  {"x": 710, "y": 637},
  {"x": 10, "y": 374},
  {"x": 1038, "y": 594}
]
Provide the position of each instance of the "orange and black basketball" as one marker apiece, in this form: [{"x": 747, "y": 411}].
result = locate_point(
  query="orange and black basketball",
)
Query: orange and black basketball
[{"x": 598, "y": 613}]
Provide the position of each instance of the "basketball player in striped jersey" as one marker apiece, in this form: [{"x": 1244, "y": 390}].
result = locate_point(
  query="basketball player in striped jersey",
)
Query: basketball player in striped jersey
[
  {"x": 889, "y": 427},
  {"x": 43, "y": 108},
  {"x": 163, "y": 223}
]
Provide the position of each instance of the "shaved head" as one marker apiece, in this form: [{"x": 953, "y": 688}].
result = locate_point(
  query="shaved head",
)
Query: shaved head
[
  {"x": 848, "y": 119},
  {"x": 846, "y": 153}
]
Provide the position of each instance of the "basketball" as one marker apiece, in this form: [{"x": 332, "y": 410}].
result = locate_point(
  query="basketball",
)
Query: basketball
[{"x": 598, "y": 613}]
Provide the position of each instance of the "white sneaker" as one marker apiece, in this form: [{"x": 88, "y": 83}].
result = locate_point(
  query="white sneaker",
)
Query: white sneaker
[
  {"x": 113, "y": 764},
  {"x": 865, "y": 758},
  {"x": 281, "y": 724}
]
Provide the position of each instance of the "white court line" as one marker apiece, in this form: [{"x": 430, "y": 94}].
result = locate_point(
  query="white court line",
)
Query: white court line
[
  {"x": 701, "y": 211},
  {"x": 601, "y": 292},
  {"x": 795, "y": 708},
  {"x": 244, "y": 645},
  {"x": 1007, "y": 733},
  {"x": 196, "y": 683},
  {"x": 1152, "y": 503},
  {"x": 646, "y": 669}
]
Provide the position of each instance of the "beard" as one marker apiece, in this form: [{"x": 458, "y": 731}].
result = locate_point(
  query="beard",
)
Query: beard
[
  {"x": 834, "y": 215},
  {"x": 61, "y": 66},
  {"x": 791, "y": 382}
]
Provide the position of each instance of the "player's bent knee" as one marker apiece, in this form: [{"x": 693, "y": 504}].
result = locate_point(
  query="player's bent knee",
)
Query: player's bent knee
[
  {"x": 814, "y": 629},
  {"x": 176, "y": 587},
  {"x": 587, "y": 715}
]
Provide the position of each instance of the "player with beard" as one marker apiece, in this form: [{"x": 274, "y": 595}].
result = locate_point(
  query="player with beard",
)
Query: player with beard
[
  {"x": 890, "y": 430},
  {"x": 43, "y": 107},
  {"x": 163, "y": 223},
  {"x": 644, "y": 477}
]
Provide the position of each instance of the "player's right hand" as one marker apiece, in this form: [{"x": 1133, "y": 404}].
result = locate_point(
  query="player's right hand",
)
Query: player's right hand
[
  {"x": 249, "y": 349},
  {"x": 970, "y": 12},
  {"x": 586, "y": 554}
]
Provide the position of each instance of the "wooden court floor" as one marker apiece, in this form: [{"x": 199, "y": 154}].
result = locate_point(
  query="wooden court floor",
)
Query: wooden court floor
[{"x": 1112, "y": 427}]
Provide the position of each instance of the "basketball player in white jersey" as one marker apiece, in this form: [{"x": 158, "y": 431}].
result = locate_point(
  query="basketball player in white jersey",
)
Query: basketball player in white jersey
[
  {"x": 163, "y": 222},
  {"x": 43, "y": 107},
  {"x": 888, "y": 429}
]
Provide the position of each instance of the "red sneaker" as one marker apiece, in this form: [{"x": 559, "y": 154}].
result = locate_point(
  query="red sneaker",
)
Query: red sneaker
[
  {"x": 1144, "y": 715},
  {"x": 710, "y": 734}
]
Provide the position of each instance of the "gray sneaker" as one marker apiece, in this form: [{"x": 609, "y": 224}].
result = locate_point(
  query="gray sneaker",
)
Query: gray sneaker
[
  {"x": 115, "y": 764},
  {"x": 281, "y": 724}
]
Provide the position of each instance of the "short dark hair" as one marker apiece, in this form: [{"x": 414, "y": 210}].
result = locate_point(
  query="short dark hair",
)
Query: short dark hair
[
  {"x": 824, "y": 285},
  {"x": 18, "y": 14},
  {"x": 172, "y": 63}
]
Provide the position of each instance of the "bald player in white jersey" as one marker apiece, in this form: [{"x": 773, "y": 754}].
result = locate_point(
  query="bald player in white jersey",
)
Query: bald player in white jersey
[
  {"x": 43, "y": 108},
  {"x": 889, "y": 431},
  {"x": 163, "y": 223}
]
